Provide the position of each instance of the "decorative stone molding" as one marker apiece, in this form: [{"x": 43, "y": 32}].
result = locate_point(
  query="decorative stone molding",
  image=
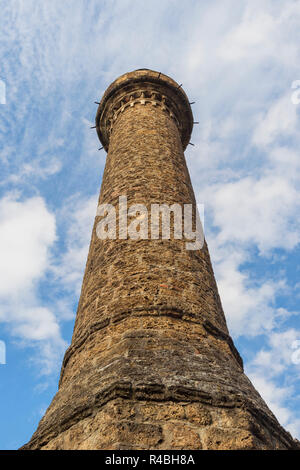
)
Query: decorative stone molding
[
  {"x": 144, "y": 87},
  {"x": 141, "y": 96}
]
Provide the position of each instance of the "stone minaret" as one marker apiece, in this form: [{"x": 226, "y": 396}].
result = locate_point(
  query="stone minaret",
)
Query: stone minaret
[{"x": 151, "y": 364}]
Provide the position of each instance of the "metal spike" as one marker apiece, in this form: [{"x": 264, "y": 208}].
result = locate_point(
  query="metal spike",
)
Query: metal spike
[
  {"x": 190, "y": 143},
  {"x": 96, "y": 102},
  {"x": 100, "y": 148},
  {"x": 193, "y": 102},
  {"x": 179, "y": 86},
  {"x": 93, "y": 127},
  {"x": 196, "y": 122},
  {"x": 159, "y": 74}
]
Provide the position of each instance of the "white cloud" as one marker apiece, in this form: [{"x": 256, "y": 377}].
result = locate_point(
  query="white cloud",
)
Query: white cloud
[
  {"x": 252, "y": 32},
  {"x": 277, "y": 398},
  {"x": 281, "y": 119},
  {"x": 278, "y": 356},
  {"x": 264, "y": 33},
  {"x": 34, "y": 170},
  {"x": 78, "y": 215},
  {"x": 256, "y": 212},
  {"x": 252, "y": 214},
  {"x": 27, "y": 232},
  {"x": 266, "y": 371}
]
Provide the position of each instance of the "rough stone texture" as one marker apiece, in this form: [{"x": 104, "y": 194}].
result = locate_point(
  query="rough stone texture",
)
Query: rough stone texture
[{"x": 151, "y": 364}]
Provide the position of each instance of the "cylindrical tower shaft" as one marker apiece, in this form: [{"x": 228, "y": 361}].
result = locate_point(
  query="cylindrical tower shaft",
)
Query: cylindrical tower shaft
[{"x": 151, "y": 364}]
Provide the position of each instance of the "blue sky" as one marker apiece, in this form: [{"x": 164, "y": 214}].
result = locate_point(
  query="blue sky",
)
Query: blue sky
[{"x": 238, "y": 61}]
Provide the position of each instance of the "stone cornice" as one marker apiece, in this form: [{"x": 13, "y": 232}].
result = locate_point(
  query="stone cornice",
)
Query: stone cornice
[
  {"x": 167, "y": 311},
  {"x": 144, "y": 87}
]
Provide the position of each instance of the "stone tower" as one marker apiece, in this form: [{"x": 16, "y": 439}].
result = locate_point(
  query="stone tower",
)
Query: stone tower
[{"x": 151, "y": 364}]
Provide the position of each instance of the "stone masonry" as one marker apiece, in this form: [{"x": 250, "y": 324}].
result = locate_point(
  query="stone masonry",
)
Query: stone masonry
[{"x": 151, "y": 364}]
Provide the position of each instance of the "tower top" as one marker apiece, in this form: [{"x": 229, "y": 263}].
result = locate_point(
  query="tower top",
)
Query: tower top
[{"x": 140, "y": 87}]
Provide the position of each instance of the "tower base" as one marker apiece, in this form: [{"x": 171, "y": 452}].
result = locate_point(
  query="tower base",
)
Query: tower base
[{"x": 128, "y": 424}]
